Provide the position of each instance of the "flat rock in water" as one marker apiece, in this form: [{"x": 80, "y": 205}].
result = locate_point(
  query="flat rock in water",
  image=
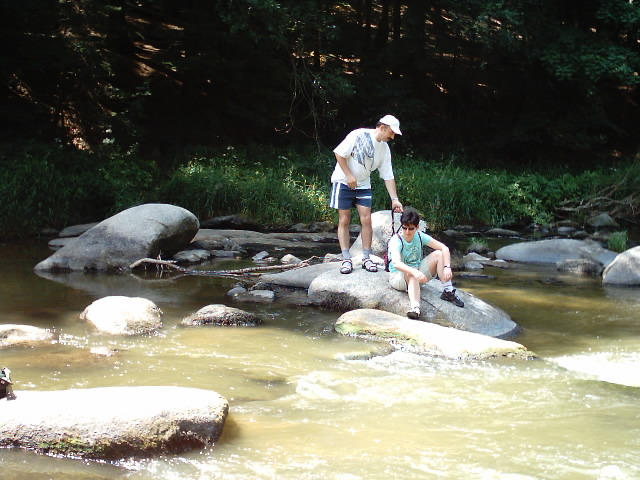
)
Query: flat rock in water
[
  {"x": 192, "y": 256},
  {"x": 555, "y": 250},
  {"x": 113, "y": 422},
  {"x": 13, "y": 335},
  {"x": 624, "y": 270},
  {"x": 426, "y": 338},
  {"x": 245, "y": 239},
  {"x": 329, "y": 288},
  {"x": 115, "y": 243},
  {"x": 300, "y": 277}
]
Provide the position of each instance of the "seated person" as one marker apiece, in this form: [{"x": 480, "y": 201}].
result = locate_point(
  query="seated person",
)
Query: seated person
[{"x": 408, "y": 269}]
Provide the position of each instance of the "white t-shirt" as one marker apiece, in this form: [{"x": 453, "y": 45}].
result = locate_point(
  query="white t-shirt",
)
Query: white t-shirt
[{"x": 364, "y": 154}]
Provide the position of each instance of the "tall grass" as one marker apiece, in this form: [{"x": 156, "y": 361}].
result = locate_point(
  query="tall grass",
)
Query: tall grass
[
  {"x": 271, "y": 190},
  {"x": 44, "y": 186}
]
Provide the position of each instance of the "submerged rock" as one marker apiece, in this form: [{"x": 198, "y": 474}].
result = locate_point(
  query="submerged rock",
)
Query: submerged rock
[
  {"x": 580, "y": 266},
  {"x": 119, "y": 315},
  {"x": 13, "y": 335},
  {"x": 114, "y": 422},
  {"x": 426, "y": 338},
  {"x": 624, "y": 270},
  {"x": 221, "y": 315},
  {"x": 115, "y": 243}
]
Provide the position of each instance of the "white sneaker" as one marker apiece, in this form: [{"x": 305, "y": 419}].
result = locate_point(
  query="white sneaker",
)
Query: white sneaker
[{"x": 414, "y": 313}]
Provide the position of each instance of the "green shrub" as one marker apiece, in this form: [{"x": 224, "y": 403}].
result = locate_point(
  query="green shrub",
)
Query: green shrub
[{"x": 618, "y": 241}]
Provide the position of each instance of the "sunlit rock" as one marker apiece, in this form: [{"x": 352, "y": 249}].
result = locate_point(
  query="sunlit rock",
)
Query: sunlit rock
[
  {"x": 196, "y": 255},
  {"x": 555, "y": 250},
  {"x": 290, "y": 259},
  {"x": 115, "y": 243},
  {"x": 12, "y": 335},
  {"x": 114, "y": 422},
  {"x": 425, "y": 338},
  {"x": 624, "y": 269},
  {"x": 329, "y": 288},
  {"x": 362, "y": 289},
  {"x": 221, "y": 315},
  {"x": 119, "y": 315}
]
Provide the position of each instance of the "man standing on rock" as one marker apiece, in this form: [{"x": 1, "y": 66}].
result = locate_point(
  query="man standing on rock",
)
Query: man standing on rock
[{"x": 361, "y": 152}]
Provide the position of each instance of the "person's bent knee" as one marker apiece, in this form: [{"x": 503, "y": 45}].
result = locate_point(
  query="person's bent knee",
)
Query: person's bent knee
[{"x": 397, "y": 281}]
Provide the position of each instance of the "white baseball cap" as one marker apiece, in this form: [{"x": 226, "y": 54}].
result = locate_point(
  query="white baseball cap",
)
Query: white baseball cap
[{"x": 393, "y": 123}]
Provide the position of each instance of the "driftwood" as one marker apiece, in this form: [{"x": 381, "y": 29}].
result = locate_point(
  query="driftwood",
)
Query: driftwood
[
  {"x": 620, "y": 200},
  {"x": 237, "y": 272}
]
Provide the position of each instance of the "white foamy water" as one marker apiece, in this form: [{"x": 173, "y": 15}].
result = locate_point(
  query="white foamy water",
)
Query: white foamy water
[{"x": 613, "y": 367}]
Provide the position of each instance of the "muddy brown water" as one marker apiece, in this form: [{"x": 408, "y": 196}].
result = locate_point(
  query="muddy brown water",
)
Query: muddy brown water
[{"x": 306, "y": 403}]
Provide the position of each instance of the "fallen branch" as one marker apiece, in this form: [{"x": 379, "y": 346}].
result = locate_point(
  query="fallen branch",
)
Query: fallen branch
[
  {"x": 165, "y": 263},
  {"x": 240, "y": 271}
]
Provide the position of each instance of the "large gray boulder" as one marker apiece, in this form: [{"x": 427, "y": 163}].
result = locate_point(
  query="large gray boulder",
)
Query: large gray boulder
[
  {"x": 12, "y": 335},
  {"x": 555, "y": 250},
  {"x": 114, "y": 422},
  {"x": 382, "y": 231},
  {"x": 426, "y": 338},
  {"x": 624, "y": 270},
  {"x": 362, "y": 289},
  {"x": 115, "y": 243},
  {"x": 329, "y": 288},
  {"x": 119, "y": 315}
]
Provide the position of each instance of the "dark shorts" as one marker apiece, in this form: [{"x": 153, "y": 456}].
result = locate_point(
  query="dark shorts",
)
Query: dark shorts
[{"x": 344, "y": 198}]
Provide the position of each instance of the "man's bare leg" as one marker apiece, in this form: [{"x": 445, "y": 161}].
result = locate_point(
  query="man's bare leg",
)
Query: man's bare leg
[
  {"x": 344, "y": 220},
  {"x": 366, "y": 230}
]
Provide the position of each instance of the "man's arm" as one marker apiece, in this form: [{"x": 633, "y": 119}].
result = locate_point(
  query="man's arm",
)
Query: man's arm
[
  {"x": 391, "y": 188},
  {"x": 350, "y": 179}
]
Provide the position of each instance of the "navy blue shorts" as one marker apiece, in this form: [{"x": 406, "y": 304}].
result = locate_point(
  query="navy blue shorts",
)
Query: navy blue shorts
[{"x": 344, "y": 198}]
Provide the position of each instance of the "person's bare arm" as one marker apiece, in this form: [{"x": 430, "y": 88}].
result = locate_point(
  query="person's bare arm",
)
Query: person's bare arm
[
  {"x": 350, "y": 179},
  {"x": 391, "y": 188}
]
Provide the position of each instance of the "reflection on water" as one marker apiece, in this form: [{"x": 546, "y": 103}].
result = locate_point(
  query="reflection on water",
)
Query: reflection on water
[{"x": 307, "y": 403}]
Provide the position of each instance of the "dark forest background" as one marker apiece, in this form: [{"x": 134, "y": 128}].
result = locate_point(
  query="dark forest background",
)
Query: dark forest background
[{"x": 499, "y": 83}]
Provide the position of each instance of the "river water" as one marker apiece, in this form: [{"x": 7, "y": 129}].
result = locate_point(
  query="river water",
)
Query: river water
[{"x": 307, "y": 403}]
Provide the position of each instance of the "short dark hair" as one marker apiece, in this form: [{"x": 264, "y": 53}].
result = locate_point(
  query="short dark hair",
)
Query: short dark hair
[{"x": 410, "y": 216}]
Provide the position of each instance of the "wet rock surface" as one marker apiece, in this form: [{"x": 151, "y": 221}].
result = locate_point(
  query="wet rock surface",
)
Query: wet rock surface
[
  {"x": 15, "y": 335},
  {"x": 221, "y": 315},
  {"x": 624, "y": 270},
  {"x": 113, "y": 422},
  {"x": 426, "y": 338}
]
